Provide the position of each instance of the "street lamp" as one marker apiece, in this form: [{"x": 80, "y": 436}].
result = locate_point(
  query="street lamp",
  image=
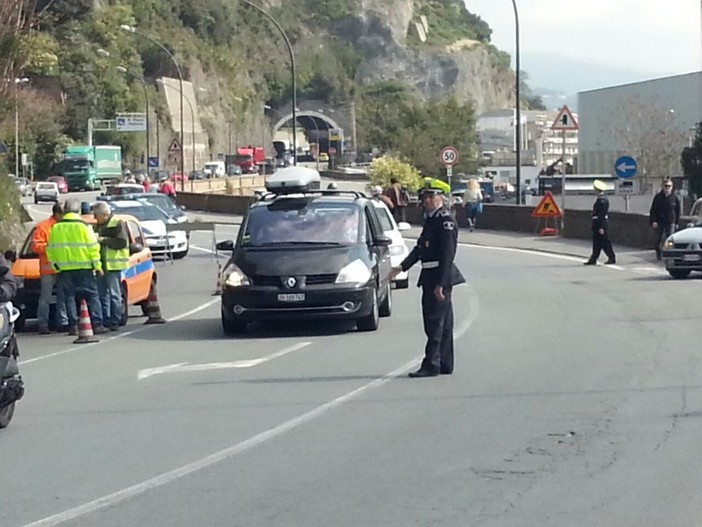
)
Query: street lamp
[
  {"x": 517, "y": 89},
  {"x": 18, "y": 82},
  {"x": 192, "y": 116},
  {"x": 132, "y": 29},
  {"x": 292, "y": 70}
]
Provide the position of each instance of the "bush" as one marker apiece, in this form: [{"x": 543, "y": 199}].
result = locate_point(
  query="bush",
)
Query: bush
[
  {"x": 11, "y": 214},
  {"x": 384, "y": 168}
]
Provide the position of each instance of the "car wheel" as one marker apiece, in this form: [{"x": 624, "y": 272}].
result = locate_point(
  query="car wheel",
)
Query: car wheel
[
  {"x": 679, "y": 273},
  {"x": 385, "y": 309},
  {"x": 182, "y": 254},
  {"x": 125, "y": 307},
  {"x": 233, "y": 328},
  {"x": 370, "y": 322},
  {"x": 6, "y": 415},
  {"x": 36, "y": 201},
  {"x": 402, "y": 284}
]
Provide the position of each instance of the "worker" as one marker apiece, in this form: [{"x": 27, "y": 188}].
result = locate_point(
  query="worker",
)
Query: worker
[
  {"x": 436, "y": 248},
  {"x": 114, "y": 256},
  {"x": 74, "y": 252}
]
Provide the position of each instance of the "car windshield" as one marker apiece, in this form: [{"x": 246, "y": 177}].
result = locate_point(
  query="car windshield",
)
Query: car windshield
[
  {"x": 45, "y": 186},
  {"x": 80, "y": 164},
  {"x": 143, "y": 213},
  {"x": 163, "y": 202},
  {"x": 302, "y": 222}
]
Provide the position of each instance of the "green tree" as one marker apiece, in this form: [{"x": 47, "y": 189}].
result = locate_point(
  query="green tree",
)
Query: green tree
[{"x": 383, "y": 169}]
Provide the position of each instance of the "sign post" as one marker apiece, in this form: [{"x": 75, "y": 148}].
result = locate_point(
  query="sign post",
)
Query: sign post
[
  {"x": 626, "y": 168},
  {"x": 564, "y": 122},
  {"x": 449, "y": 157}
]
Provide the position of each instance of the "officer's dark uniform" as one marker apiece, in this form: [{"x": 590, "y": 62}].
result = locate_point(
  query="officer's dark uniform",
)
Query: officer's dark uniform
[
  {"x": 436, "y": 248},
  {"x": 601, "y": 242}
]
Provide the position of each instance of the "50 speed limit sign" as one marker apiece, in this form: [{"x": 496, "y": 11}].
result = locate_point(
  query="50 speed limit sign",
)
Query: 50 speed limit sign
[{"x": 449, "y": 156}]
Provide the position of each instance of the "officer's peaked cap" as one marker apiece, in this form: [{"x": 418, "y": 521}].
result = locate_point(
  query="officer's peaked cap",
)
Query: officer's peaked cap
[
  {"x": 599, "y": 185},
  {"x": 434, "y": 186}
]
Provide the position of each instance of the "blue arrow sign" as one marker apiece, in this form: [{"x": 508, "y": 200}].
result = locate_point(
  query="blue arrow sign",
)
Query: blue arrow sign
[
  {"x": 626, "y": 167},
  {"x": 153, "y": 162}
]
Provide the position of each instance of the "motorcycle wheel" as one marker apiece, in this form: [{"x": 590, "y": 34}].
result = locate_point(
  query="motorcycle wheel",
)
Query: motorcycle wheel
[{"x": 6, "y": 415}]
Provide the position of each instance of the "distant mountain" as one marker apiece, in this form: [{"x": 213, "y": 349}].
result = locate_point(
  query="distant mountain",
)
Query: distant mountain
[{"x": 558, "y": 79}]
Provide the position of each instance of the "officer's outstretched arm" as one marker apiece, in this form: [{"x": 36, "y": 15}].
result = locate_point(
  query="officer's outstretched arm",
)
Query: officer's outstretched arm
[{"x": 412, "y": 257}]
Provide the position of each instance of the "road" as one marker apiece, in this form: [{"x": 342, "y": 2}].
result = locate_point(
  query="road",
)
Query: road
[{"x": 576, "y": 401}]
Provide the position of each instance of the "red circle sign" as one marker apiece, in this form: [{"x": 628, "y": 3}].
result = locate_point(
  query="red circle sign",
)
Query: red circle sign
[{"x": 449, "y": 156}]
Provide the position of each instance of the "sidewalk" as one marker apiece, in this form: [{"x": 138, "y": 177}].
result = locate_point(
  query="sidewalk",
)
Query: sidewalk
[{"x": 547, "y": 244}]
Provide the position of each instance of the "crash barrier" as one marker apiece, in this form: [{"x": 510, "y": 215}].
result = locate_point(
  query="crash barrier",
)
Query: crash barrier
[
  {"x": 239, "y": 185},
  {"x": 223, "y": 203}
]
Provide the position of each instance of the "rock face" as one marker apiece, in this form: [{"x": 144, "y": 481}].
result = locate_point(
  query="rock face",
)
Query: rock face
[{"x": 465, "y": 70}]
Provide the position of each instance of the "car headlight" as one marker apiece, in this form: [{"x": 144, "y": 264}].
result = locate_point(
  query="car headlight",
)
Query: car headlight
[
  {"x": 232, "y": 276},
  {"x": 396, "y": 250},
  {"x": 356, "y": 272},
  {"x": 669, "y": 244}
]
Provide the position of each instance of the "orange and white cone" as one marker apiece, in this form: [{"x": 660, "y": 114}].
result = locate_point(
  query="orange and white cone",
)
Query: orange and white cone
[
  {"x": 85, "y": 327},
  {"x": 218, "y": 285},
  {"x": 153, "y": 310}
]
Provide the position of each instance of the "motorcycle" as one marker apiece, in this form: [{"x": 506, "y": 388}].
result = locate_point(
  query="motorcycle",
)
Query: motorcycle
[{"x": 11, "y": 384}]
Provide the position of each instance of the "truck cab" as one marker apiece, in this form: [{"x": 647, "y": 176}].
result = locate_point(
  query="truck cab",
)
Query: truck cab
[{"x": 89, "y": 167}]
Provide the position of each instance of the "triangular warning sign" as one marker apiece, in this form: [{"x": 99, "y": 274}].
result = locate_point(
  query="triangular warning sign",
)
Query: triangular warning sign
[
  {"x": 565, "y": 121},
  {"x": 175, "y": 146},
  {"x": 547, "y": 208}
]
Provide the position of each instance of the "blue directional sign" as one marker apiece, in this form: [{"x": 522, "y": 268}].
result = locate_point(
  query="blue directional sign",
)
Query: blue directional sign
[
  {"x": 153, "y": 162},
  {"x": 626, "y": 167}
]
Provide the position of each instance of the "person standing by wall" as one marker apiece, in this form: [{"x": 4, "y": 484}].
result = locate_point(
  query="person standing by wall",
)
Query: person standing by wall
[
  {"x": 400, "y": 199},
  {"x": 664, "y": 216},
  {"x": 473, "y": 201},
  {"x": 114, "y": 255},
  {"x": 600, "y": 226}
]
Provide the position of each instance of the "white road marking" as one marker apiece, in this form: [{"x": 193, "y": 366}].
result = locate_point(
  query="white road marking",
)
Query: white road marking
[
  {"x": 119, "y": 336},
  {"x": 186, "y": 367},
  {"x": 232, "y": 451},
  {"x": 201, "y": 249}
]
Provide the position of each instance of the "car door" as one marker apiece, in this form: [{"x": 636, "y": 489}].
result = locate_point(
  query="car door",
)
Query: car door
[
  {"x": 141, "y": 267},
  {"x": 380, "y": 254}
]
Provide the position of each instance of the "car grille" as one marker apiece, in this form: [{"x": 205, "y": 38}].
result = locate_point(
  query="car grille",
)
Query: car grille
[
  {"x": 681, "y": 245},
  {"x": 277, "y": 281}
]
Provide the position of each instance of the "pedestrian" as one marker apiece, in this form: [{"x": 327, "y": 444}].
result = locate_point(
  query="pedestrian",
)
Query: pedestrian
[
  {"x": 664, "y": 216},
  {"x": 473, "y": 202},
  {"x": 600, "y": 226},
  {"x": 114, "y": 256},
  {"x": 377, "y": 193},
  {"x": 167, "y": 188},
  {"x": 47, "y": 280},
  {"x": 399, "y": 196},
  {"x": 436, "y": 249},
  {"x": 74, "y": 251}
]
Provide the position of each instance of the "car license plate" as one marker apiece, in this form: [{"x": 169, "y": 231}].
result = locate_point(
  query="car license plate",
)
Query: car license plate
[
  {"x": 291, "y": 297},
  {"x": 691, "y": 257}
]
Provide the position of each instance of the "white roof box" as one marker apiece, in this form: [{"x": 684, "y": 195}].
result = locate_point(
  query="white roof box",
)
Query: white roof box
[{"x": 292, "y": 180}]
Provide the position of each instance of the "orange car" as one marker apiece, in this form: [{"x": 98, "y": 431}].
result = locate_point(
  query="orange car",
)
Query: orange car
[{"x": 136, "y": 280}]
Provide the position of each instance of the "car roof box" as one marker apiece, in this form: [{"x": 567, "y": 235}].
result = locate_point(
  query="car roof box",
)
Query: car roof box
[{"x": 293, "y": 180}]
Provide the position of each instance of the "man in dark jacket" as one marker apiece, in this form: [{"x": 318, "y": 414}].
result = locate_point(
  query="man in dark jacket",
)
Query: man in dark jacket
[
  {"x": 600, "y": 225},
  {"x": 665, "y": 214},
  {"x": 436, "y": 248},
  {"x": 8, "y": 285}
]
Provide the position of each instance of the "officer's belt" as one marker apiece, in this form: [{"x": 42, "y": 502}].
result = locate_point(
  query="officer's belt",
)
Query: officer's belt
[
  {"x": 430, "y": 265},
  {"x": 597, "y": 217}
]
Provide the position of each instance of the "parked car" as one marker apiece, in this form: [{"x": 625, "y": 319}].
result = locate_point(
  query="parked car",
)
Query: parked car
[
  {"x": 23, "y": 186},
  {"x": 165, "y": 203},
  {"x": 46, "y": 191},
  {"x": 179, "y": 177},
  {"x": 398, "y": 247},
  {"x": 61, "y": 182},
  {"x": 122, "y": 189},
  {"x": 198, "y": 174},
  {"x": 234, "y": 170}
]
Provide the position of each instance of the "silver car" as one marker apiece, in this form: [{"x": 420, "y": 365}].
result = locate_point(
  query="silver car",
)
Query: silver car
[
  {"x": 23, "y": 186},
  {"x": 682, "y": 251}
]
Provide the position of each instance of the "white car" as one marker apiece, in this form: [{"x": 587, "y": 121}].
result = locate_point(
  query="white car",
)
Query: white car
[
  {"x": 162, "y": 240},
  {"x": 46, "y": 191},
  {"x": 398, "y": 248}
]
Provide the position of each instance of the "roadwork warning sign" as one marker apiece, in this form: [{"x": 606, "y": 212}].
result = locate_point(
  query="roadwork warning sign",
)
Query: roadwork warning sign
[{"x": 547, "y": 208}]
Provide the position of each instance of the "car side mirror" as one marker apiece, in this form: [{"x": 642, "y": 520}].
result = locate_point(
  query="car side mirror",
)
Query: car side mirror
[
  {"x": 11, "y": 256},
  {"x": 135, "y": 248},
  {"x": 182, "y": 207},
  {"x": 403, "y": 226},
  {"x": 382, "y": 241},
  {"x": 226, "y": 245}
]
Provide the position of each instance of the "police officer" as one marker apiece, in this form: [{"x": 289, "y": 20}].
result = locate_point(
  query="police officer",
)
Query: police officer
[
  {"x": 436, "y": 248},
  {"x": 600, "y": 224}
]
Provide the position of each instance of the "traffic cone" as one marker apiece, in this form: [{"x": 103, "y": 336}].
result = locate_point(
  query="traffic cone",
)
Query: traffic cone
[
  {"x": 153, "y": 310},
  {"x": 85, "y": 327},
  {"x": 218, "y": 286}
]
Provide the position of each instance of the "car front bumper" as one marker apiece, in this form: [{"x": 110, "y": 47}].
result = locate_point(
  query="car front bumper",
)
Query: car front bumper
[
  {"x": 248, "y": 304},
  {"x": 683, "y": 259}
]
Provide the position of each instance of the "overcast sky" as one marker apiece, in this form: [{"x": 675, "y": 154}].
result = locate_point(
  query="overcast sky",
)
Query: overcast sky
[{"x": 659, "y": 36}]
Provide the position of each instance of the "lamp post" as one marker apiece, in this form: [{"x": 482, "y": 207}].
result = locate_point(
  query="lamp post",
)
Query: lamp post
[
  {"x": 517, "y": 90},
  {"x": 292, "y": 70},
  {"x": 192, "y": 124},
  {"x": 18, "y": 82},
  {"x": 131, "y": 29}
]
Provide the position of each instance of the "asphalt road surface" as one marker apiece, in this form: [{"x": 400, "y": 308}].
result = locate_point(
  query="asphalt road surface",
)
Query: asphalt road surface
[{"x": 576, "y": 400}]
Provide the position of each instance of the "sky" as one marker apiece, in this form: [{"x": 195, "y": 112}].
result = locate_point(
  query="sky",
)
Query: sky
[{"x": 658, "y": 36}]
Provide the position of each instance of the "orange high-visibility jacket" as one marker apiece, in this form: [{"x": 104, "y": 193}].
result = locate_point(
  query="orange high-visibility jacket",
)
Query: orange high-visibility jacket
[{"x": 40, "y": 239}]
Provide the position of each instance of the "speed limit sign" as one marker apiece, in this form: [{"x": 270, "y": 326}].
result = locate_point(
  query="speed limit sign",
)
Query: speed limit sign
[{"x": 449, "y": 156}]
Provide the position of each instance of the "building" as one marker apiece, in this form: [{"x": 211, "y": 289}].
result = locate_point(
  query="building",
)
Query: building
[{"x": 651, "y": 121}]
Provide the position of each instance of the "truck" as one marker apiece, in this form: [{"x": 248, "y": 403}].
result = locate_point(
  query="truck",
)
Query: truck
[
  {"x": 215, "y": 169},
  {"x": 89, "y": 167},
  {"x": 249, "y": 158}
]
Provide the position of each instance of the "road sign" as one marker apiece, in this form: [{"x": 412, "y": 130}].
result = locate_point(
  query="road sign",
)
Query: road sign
[
  {"x": 627, "y": 187},
  {"x": 547, "y": 208},
  {"x": 332, "y": 151},
  {"x": 130, "y": 123},
  {"x": 449, "y": 156},
  {"x": 565, "y": 121},
  {"x": 175, "y": 146},
  {"x": 626, "y": 167},
  {"x": 153, "y": 162}
]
